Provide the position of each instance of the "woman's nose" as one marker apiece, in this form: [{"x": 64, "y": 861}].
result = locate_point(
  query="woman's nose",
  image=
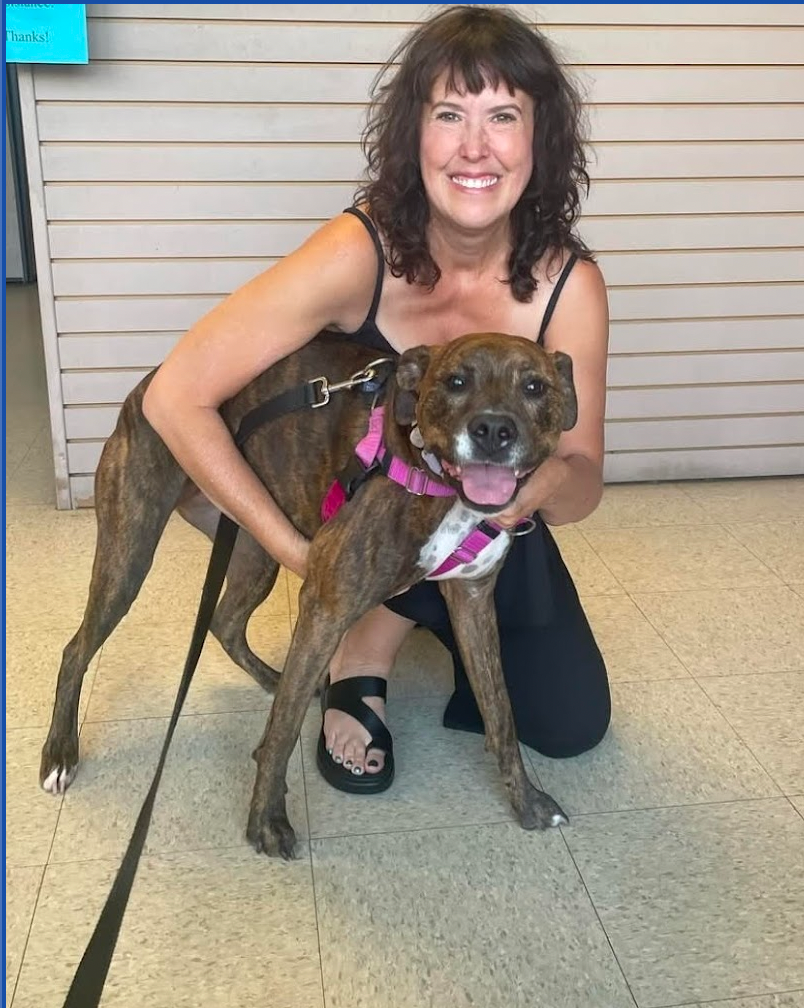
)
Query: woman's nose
[{"x": 473, "y": 145}]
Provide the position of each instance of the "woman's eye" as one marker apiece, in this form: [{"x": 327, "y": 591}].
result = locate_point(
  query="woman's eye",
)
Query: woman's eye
[
  {"x": 449, "y": 117},
  {"x": 534, "y": 387},
  {"x": 504, "y": 117},
  {"x": 456, "y": 382}
]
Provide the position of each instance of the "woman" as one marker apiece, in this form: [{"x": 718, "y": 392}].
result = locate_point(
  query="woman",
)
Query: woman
[{"x": 466, "y": 224}]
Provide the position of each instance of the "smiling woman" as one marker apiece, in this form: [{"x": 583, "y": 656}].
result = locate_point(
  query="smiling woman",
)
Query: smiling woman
[{"x": 475, "y": 169}]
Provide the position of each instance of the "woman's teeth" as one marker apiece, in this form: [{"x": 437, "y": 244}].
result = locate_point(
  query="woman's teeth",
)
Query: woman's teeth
[{"x": 475, "y": 183}]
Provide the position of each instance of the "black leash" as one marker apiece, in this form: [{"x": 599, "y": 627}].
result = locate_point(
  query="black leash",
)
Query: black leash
[{"x": 90, "y": 977}]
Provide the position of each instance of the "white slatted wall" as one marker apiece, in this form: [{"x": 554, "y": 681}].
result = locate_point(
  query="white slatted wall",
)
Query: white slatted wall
[{"x": 203, "y": 142}]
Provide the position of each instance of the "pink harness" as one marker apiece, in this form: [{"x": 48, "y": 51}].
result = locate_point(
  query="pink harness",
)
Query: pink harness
[{"x": 371, "y": 450}]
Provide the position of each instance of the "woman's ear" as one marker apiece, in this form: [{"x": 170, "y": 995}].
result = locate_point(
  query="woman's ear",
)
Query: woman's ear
[{"x": 409, "y": 373}]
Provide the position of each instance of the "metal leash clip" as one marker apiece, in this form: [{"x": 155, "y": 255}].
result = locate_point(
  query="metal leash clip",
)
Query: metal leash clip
[{"x": 367, "y": 374}]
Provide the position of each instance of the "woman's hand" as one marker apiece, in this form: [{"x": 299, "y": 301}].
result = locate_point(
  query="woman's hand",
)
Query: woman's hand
[{"x": 542, "y": 485}]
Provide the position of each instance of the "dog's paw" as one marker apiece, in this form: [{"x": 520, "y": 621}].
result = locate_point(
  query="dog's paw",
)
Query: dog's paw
[
  {"x": 540, "y": 811},
  {"x": 272, "y": 835},
  {"x": 58, "y": 767}
]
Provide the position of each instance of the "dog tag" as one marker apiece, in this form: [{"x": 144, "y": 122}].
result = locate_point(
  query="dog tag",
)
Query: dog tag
[
  {"x": 432, "y": 462},
  {"x": 416, "y": 437}
]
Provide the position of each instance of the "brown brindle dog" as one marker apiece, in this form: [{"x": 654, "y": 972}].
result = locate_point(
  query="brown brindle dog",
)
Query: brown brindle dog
[{"x": 489, "y": 408}]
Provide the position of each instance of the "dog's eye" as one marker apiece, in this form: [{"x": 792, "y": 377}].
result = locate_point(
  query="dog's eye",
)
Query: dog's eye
[
  {"x": 534, "y": 387},
  {"x": 455, "y": 382}
]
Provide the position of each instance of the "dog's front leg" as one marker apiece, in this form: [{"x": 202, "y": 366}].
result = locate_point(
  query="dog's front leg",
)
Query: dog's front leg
[
  {"x": 471, "y": 609},
  {"x": 314, "y": 643}
]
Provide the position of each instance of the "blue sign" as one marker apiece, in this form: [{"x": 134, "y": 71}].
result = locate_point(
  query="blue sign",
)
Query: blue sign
[{"x": 46, "y": 33}]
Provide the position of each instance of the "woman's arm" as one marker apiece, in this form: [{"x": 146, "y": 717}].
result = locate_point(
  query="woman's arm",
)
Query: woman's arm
[
  {"x": 568, "y": 486},
  {"x": 328, "y": 282}
]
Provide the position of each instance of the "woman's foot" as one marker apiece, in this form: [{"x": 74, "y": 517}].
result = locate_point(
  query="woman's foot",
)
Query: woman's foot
[
  {"x": 354, "y": 704},
  {"x": 346, "y": 738}
]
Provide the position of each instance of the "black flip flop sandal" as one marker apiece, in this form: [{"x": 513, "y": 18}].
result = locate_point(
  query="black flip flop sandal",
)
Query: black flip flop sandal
[{"x": 347, "y": 696}]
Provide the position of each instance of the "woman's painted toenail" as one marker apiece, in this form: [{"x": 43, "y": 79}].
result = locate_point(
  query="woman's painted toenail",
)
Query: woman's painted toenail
[
  {"x": 329, "y": 751},
  {"x": 338, "y": 759},
  {"x": 356, "y": 770},
  {"x": 373, "y": 762},
  {"x": 347, "y": 764}
]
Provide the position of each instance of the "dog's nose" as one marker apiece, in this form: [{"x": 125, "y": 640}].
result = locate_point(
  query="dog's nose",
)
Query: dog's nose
[{"x": 492, "y": 432}]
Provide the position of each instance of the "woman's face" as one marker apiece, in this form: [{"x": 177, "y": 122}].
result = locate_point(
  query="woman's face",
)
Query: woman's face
[{"x": 476, "y": 154}]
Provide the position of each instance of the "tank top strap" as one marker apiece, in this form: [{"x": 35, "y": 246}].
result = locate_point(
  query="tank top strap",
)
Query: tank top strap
[
  {"x": 551, "y": 304},
  {"x": 372, "y": 230}
]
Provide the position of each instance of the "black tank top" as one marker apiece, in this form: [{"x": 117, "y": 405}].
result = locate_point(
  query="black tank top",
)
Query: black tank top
[
  {"x": 524, "y": 595},
  {"x": 370, "y": 335}
]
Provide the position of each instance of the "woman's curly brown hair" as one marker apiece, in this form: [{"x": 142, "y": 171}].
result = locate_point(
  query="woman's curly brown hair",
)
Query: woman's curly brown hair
[{"x": 476, "y": 47}]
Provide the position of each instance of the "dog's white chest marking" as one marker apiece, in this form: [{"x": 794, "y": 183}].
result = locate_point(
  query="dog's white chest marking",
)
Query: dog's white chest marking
[{"x": 455, "y": 526}]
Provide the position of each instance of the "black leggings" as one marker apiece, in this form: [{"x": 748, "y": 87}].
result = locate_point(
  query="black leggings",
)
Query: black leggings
[{"x": 554, "y": 672}]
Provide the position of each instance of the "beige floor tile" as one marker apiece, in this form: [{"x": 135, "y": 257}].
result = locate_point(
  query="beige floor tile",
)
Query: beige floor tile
[
  {"x": 458, "y": 918},
  {"x": 767, "y": 712},
  {"x": 797, "y": 802},
  {"x": 730, "y": 631},
  {"x": 644, "y": 504},
  {"x": 590, "y": 574},
  {"x": 139, "y": 672},
  {"x": 31, "y": 815},
  {"x": 678, "y": 558},
  {"x": 211, "y": 928},
  {"x": 203, "y": 799},
  {"x": 53, "y": 600},
  {"x": 32, "y": 666},
  {"x": 32, "y": 482},
  {"x": 667, "y": 745},
  {"x": 739, "y": 500},
  {"x": 41, "y": 535},
  {"x": 780, "y": 545},
  {"x": 22, "y": 887},
  {"x": 443, "y": 778},
  {"x": 699, "y": 903},
  {"x": 798, "y": 587},
  {"x": 631, "y": 648}
]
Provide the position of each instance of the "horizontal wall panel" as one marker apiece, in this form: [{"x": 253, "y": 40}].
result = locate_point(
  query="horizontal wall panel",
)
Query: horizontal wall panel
[
  {"x": 674, "y": 336},
  {"x": 99, "y": 387},
  {"x": 131, "y": 314},
  {"x": 276, "y": 43},
  {"x": 235, "y": 82},
  {"x": 704, "y": 369},
  {"x": 703, "y": 463},
  {"x": 221, "y": 123},
  {"x": 83, "y": 456},
  {"x": 221, "y": 275},
  {"x": 82, "y": 491},
  {"x": 96, "y": 422},
  {"x": 109, "y": 350},
  {"x": 706, "y": 432},
  {"x": 697, "y": 302},
  {"x": 604, "y": 14},
  {"x": 708, "y": 231},
  {"x": 712, "y": 400},
  {"x": 62, "y": 162},
  {"x": 742, "y": 266}
]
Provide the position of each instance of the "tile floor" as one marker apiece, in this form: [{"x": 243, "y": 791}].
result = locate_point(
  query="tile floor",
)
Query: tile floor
[{"x": 680, "y": 880}]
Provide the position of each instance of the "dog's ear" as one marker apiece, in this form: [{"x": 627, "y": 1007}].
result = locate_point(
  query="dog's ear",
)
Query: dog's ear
[
  {"x": 563, "y": 363},
  {"x": 409, "y": 373}
]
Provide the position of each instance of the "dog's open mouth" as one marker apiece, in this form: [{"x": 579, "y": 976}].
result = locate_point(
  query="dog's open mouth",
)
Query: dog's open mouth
[{"x": 486, "y": 484}]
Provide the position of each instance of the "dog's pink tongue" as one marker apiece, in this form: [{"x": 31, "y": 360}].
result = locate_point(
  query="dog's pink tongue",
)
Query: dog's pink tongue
[{"x": 488, "y": 484}]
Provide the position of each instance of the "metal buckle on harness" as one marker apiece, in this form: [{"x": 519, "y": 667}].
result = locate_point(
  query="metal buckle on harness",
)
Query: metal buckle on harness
[{"x": 421, "y": 479}]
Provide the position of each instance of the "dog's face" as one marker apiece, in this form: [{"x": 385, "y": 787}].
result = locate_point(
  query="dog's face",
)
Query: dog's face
[{"x": 490, "y": 408}]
